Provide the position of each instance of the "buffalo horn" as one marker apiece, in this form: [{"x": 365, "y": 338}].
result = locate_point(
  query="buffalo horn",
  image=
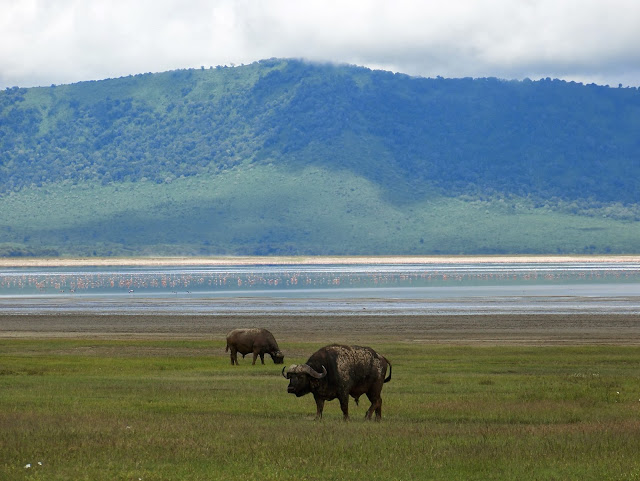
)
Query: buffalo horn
[{"x": 311, "y": 372}]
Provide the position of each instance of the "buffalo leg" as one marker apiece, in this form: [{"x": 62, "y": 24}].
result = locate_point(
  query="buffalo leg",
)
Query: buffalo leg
[
  {"x": 234, "y": 356},
  {"x": 319, "y": 407},
  {"x": 344, "y": 405},
  {"x": 255, "y": 356},
  {"x": 376, "y": 405}
]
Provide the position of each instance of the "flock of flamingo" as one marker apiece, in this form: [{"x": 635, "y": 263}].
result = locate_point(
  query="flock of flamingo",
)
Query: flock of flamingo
[{"x": 173, "y": 281}]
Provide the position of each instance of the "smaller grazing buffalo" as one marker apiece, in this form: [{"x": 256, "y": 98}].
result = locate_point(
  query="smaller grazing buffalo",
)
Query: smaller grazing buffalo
[
  {"x": 257, "y": 341},
  {"x": 339, "y": 372}
]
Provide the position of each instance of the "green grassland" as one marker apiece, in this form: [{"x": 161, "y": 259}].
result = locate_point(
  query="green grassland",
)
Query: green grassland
[
  {"x": 270, "y": 210},
  {"x": 91, "y": 409}
]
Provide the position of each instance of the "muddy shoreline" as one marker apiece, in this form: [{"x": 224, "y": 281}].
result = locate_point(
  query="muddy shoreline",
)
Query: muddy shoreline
[{"x": 501, "y": 329}]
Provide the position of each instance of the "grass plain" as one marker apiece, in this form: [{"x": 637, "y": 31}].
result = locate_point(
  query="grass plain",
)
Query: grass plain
[
  {"x": 156, "y": 398},
  {"x": 268, "y": 210}
]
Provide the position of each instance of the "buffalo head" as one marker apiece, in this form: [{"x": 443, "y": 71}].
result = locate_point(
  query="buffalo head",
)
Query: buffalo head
[
  {"x": 299, "y": 377},
  {"x": 278, "y": 357}
]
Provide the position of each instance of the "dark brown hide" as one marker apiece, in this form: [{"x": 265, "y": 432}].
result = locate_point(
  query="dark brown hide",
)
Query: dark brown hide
[
  {"x": 339, "y": 372},
  {"x": 256, "y": 341}
]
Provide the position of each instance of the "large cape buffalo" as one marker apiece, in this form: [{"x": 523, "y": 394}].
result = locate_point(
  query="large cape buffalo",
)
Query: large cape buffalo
[
  {"x": 340, "y": 371},
  {"x": 257, "y": 341}
]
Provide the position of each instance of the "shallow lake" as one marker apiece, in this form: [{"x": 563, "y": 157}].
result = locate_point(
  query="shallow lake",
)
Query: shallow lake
[{"x": 326, "y": 289}]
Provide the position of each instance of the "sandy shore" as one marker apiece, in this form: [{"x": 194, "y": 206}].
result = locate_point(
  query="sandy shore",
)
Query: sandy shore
[
  {"x": 532, "y": 329},
  {"x": 346, "y": 260}
]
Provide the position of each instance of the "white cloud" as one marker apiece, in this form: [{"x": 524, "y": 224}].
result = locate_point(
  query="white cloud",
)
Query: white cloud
[{"x": 62, "y": 41}]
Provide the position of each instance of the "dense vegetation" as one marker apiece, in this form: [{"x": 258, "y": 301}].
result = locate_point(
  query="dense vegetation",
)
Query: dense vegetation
[{"x": 157, "y": 153}]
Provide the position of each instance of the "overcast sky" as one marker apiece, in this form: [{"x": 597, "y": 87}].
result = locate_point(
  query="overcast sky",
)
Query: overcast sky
[{"x": 43, "y": 42}]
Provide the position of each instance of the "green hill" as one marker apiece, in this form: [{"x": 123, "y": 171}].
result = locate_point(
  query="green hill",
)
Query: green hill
[{"x": 288, "y": 157}]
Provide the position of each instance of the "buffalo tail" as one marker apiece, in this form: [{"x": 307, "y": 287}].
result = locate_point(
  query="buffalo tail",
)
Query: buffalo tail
[{"x": 389, "y": 376}]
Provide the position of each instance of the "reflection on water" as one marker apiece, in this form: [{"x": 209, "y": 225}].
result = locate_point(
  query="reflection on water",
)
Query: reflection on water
[
  {"x": 470, "y": 304},
  {"x": 322, "y": 289}
]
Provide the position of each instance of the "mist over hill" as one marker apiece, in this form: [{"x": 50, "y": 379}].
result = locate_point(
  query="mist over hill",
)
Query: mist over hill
[{"x": 290, "y": 157}]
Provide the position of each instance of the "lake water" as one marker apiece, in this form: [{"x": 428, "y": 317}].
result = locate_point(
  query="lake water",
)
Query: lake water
[{"x": 326, "y": 289}]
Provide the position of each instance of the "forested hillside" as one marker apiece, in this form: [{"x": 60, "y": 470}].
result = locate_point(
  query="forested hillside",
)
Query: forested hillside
[{"x": 157, "y": 153}]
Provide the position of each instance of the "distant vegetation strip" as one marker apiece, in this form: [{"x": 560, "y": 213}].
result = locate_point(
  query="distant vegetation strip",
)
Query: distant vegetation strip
[{"x": 306, "y": 260}]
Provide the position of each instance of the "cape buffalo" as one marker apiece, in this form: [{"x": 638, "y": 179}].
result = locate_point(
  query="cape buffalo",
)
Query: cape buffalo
[
  {"x": 340, "y": 371},
  {"x": 257, "y": 341}
]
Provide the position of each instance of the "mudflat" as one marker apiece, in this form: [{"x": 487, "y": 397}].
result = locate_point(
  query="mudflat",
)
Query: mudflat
[{"x": 517, "y": 329}]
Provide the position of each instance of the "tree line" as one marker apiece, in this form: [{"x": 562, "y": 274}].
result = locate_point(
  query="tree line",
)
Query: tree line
[{"x": 545, "y": 138}]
